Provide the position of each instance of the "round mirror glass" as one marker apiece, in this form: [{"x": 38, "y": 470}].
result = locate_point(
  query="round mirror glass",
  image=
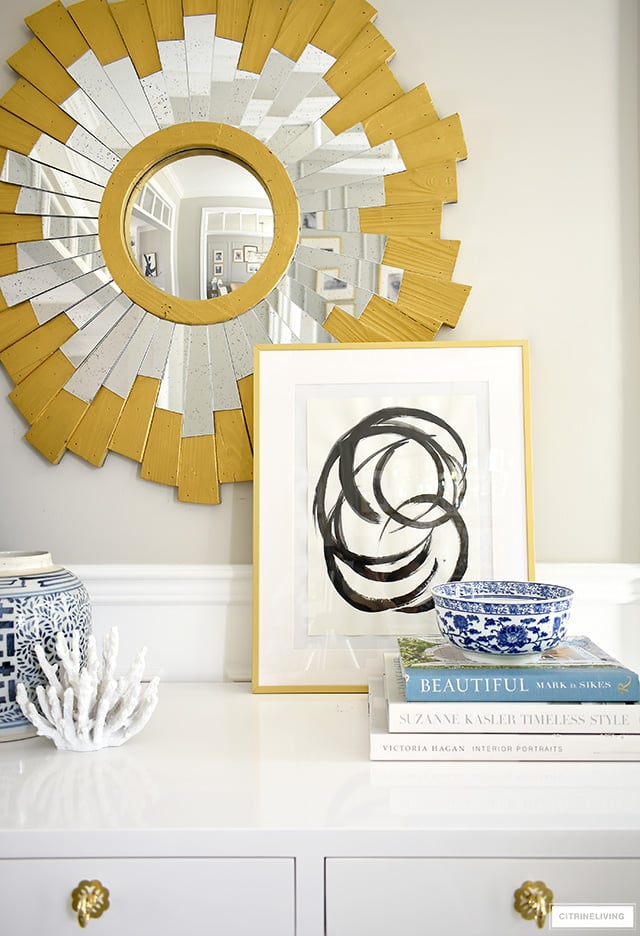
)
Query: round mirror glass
[{"x": 200, "y": 226}]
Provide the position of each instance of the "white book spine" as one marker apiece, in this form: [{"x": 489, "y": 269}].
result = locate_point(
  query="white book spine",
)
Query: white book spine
[
  {"x": 503, "y": 717},
  {"x": 515, "y": 747},
  {"x": 409, "y": 746}
]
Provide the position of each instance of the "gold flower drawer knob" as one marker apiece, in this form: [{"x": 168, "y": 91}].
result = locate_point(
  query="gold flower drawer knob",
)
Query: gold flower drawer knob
[
  {"x": 533, "y": 901},
  {"x": 89, "y": 900}
]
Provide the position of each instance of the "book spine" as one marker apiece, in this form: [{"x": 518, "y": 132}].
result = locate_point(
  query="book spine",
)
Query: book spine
[
  {"x": 506, "y": 684},
  {"x": 509, "y": 717},
  {"x": 513, "y": 747},
  {"x": 503, "y": 717}
]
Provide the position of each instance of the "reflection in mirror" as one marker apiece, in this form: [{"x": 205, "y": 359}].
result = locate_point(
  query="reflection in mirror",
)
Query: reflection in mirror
[{"x": 200, "y": 226}]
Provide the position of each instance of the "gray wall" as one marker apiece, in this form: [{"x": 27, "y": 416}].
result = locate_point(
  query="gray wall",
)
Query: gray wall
[{"x": 548, "y": 219}]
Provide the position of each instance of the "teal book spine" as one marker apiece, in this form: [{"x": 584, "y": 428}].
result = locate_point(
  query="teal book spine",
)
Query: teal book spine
[{"x": 521, "y": 684}]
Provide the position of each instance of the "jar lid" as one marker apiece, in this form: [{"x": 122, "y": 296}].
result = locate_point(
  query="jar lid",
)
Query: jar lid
[{"x": 22, "y": 563}]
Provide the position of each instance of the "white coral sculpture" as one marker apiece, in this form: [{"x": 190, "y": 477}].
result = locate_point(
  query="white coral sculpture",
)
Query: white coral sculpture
[{"x": 85, "y": 708}]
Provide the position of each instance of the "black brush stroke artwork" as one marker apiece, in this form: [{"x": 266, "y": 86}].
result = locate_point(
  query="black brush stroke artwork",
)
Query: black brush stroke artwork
[{"x": 423, "y": 511}]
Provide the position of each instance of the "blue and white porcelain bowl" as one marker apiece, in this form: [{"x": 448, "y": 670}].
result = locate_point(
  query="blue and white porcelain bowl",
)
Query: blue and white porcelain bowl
[{"x": 503, "y": 618}]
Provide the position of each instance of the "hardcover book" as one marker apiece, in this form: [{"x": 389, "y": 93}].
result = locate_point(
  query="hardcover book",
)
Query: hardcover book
[
  {"x": 502, "y": 717},
  {"x": 519, "y": 746},
  {"x": 574, "y": 671}
]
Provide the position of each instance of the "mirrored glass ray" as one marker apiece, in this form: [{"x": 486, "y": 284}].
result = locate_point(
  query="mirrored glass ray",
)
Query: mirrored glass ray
[
  {"x": 224, "y": 72},
  {"x": 155, "y": 91},
  {"x": 87, "y": 145},
  {"x": 55, "y": 154},
  {"x": 300, "y": 311},
  {"x": 54, "y": 228},
  {"x": 174, "y": 376},
  {"x": 199, "y": 396},
  {"x": 350, "y": 244},
  {"x": 94, "y": 80},
  {"x": 19, "y": 287},
  {"x": 199, "y": 33},
  {"x": 252, "y": 326},
  {"x": 21, "y": 170},
  {"x": 231, "y": 104},
  {"x": 225, "y": 388},
  {"x": 340, "y": 221},
  {"x": 367, "y": 194},
  {"x": 239, "y": 348},
  {"x": 275, "y": 325},
  {"x": 173, "y": 58},
  {"x": 89, "y": 336},
  {"x": 309, "y": 112},
  {"x": 294, "y": 140},
  {"x": 310, "y": 304},
  {"x": 339, "y": 149},
  {"x": 351, "y": 269},
  {"x": 82, "y": 109},
  {"x": 319, "y": 290},
  {"x": 123, "y": 374},
  {"x": 96, "y": 366},
  {"x": 275, "y": 73},
  {"x": 124, "y": 78},
  {"x": 37, "y": 253},
  {"x": 84, "y": 310},
  {"x": 302, "y": 79},
  {"x": 36, "y": 202},
  {"x": 382, "y": 161},
  {"x": 303, "y": 130},
  {"x": 155, "y": 360}
]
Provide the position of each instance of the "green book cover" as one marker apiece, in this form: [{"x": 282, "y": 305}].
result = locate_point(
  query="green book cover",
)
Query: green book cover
[{"x": 574, "y": 651}]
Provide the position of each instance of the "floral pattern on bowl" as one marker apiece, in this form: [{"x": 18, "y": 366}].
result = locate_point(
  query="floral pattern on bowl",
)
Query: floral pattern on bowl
[{"x": 505, "y": 618}]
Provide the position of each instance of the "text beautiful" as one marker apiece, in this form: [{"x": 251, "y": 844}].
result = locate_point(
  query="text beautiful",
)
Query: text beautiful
[{"x": 461, "y": 685}]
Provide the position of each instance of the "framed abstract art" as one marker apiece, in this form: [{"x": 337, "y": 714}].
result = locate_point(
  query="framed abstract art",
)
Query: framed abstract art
[{"x": 380, "y": 473}]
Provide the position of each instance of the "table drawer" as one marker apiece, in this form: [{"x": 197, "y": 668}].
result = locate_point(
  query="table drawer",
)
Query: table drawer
[
  {"x": 451, "y": 896},
  {"x": 151, "y": 896}
]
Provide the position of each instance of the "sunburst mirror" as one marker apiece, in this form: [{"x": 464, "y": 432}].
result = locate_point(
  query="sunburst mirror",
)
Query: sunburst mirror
[{"x": 183, "y": 179}]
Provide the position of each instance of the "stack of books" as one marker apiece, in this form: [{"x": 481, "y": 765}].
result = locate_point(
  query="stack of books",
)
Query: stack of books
[{"x": 434, "y": 703}]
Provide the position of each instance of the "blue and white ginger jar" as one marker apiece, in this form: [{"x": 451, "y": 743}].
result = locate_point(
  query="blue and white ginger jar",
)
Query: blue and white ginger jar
[{"x": 38, "y": 601}]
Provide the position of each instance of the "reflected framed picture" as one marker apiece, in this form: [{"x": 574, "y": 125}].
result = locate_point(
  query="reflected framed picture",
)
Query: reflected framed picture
[
  {"x": 150, "y": 264},
  {"x": 238, "y": 255},
  {"x": 330, "y": 244},
  {"x": 218, "y": 269},
  {"x": 249, "y": 251},
  {"x": 218, "y": 256},
  {"x": 330, "y": 286},
  {"x": 390, "y": 279},
  {"x": 311, "y": 220},
  {"x": 380, "y": 471}
]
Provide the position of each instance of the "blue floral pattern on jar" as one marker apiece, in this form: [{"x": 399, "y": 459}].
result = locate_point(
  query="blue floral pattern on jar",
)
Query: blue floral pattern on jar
[{"x": 35, "y": 607}]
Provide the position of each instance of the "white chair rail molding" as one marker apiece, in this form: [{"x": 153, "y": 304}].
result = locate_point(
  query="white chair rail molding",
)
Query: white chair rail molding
[{"x": 196, "y": 619}]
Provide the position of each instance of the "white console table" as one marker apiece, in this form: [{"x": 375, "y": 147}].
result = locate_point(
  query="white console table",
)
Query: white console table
[{"x": 239, "y": 814}]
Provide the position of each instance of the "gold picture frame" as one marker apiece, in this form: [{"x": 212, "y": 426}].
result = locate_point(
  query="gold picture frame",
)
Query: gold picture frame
[{"x": 409, "y": 460}]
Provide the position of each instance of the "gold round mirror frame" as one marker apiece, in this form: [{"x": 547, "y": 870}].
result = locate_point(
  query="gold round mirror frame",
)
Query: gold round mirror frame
[
  {"x": 300, "y": 92},
  {"x": 164, "y": 147}
]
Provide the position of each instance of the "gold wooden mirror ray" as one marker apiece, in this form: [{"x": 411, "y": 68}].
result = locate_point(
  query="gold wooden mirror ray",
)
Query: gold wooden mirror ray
[{"x": 356, "y": 169}]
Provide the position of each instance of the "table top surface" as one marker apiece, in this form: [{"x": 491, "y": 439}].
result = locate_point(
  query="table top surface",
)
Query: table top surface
[{"x": 217, "y": 757}]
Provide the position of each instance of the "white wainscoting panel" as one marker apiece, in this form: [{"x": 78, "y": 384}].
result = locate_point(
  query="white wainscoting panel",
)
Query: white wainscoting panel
[
  {"x": 606, "y": 604},
  {"x": 196, "y": 620}
]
